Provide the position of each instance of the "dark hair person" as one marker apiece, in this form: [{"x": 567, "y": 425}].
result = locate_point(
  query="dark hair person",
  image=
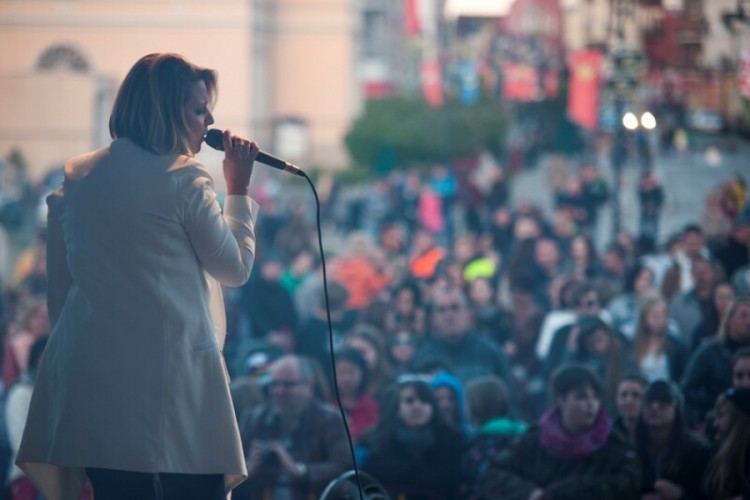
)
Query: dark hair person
[
  {"x": 673, "y": 461},
  {"x": 572, "y": 453},
  {"x": 413, "y": 451},
  {"x": 132, "y": 390},
  {"x": 729, "y": 475}
]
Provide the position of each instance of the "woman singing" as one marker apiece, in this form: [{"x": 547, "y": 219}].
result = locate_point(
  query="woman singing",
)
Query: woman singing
[{"x": 132, "y": 390}]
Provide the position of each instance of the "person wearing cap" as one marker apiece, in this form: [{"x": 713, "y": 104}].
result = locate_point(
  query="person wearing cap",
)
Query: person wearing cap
[
  {"x": 572, "y": 453},
  {"x": 673, "y": 461},
  {"x": 729, "y": 475}
]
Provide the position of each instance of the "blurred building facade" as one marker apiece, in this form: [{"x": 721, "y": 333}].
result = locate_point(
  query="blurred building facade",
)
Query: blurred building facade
[{"x": 287, "y": 70}]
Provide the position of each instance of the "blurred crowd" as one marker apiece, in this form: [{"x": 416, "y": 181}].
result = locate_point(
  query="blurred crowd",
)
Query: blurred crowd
[{"x": 483, "y": 349}]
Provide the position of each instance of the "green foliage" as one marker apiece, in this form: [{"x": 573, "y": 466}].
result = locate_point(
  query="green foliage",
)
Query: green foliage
[{"x": 407, "y": 131}]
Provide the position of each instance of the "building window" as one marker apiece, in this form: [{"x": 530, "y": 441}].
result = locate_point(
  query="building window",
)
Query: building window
[{"x": 62, "y": 57}]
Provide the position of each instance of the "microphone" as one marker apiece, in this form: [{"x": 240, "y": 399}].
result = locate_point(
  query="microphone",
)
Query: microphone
[{"x": 215, "y": 140}]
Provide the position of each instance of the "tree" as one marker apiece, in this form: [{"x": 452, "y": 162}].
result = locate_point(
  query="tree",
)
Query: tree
[{"x": 407, "y": 131}]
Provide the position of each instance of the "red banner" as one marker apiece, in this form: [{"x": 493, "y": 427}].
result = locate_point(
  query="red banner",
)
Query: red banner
[
  {"x": 432, "y": 83},
  {"x": 583, "y": 96},
  {"x": 520, "y": 82},
  {"x": 744, "y": 74},
  {"x": 411, "y": 17}
]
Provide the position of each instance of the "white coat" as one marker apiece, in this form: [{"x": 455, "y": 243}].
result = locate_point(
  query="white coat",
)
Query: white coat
[{"x": 132, "y": 377}]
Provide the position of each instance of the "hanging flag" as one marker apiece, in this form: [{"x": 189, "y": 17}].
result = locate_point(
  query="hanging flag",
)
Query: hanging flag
[
  {"x": 583, "y": 96},
  {"x": 432, "y": 83},
  {"x": 744, "y": 74},
  {"x": 412, "y": 25},
  {"x": 520, "y": 82}
]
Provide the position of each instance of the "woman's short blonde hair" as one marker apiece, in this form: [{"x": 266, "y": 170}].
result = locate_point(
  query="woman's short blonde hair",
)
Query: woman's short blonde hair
[{"x": 150, "y": 106}]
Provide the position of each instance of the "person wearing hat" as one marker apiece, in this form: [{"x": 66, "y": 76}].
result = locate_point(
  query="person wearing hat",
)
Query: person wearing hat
[
  {"x": 729, "y": 475},
  {"x": 673, "y": 461}
]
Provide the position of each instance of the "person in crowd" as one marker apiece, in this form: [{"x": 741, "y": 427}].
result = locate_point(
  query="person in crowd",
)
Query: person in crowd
[
  {"x": 679, "y": 278},
  {"x": 402, "y": 346},
  {"x": 572, "y": 453},
  {"x": 406, "y": 309},
  {"x": 729, "y": 474},
  {"x": 468, "y": 354},
  {"x": 689, "y": 309},
  {"x": 563, "y": 291},
  {"x": 594, "y": 344},
  {"x": 371, "y": 343},
  {"x": 362, "y": 410},
  {"x": 489, "y": 318},
  {"x": 34, "y": 324},
  {"x": 587, "y": 304},
  {"x": 629, "y": 404},
  {"x": 488, "y": 409},
  {"x": 658, "y": 352},
  {"x": 720, "y": 422},
  {"x": 624, "y": 308},
  {"x": 294, "y": 444},
  {"x": 413, "y": 452},
  {"x": 741, "y": 367},
  {"x": 361, "y": 271},
  {"x": 425, "y": 255},
  {"x": 312, "y": 336},
  {"x": 611, "y": 279},
  {"x": 267, "y": 303},
  {"x": 734, "y": 252},
  {"x": 721, "y": 296},
  {"x": 19, "y": 486},
  {"x": 546, "y": 266},
  {"x": 708, "y": 371},
  {"x": 137, "y": 250},
  {"x": 651, "y": 200},
  {"x": 450, "y": 395},
  {"x": 673, "y": 461},
  {"x": 583, "y": 260}
]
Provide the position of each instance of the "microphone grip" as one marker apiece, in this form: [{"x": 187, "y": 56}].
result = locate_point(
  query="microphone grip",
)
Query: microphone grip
[{"x": 215, "y": 140}]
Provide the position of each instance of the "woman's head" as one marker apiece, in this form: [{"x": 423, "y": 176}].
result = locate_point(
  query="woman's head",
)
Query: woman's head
[
  {"x": 164, "y": 104},
  {"x": 728, "y": 475},
  {"x": 662, "y": 407},
  {"x": 487, "y": 398},
  {"x": 35, "y": 319},
  {"x": 416, "y": 403},
  {"x": 481, "y": 292},
  {"x": 629, "y": 396},
  {"x": 351, "y": 371},
  {"x": 723, "y": 410},
  {"x": 741, "y": 367},
  {"x": 638, "y": 278},
  {"x": 595, "y": 338},
  {"x": 653, "y": 318},
  {"x": 577, "y": 394},
  {"x": 735, "y": 325},
  {"x": 402, "y": 345}
]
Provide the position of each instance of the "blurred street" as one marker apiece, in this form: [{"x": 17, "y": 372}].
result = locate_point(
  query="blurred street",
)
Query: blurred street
[{"x": 687, "y": 179}]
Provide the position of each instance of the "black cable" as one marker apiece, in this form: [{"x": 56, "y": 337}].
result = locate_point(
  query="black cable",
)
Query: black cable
[{"x": 330, "y": 338}]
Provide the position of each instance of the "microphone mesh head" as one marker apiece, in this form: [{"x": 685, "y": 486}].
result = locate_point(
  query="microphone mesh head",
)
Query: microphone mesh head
[{"x": 214, "y": 139}]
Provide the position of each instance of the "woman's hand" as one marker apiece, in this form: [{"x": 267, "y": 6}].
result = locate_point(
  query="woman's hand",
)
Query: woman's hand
[{"x": 239, "y": 155}]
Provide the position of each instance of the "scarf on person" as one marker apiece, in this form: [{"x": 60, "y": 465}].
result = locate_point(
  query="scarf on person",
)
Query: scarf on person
[{"x": 562, "y": 445}]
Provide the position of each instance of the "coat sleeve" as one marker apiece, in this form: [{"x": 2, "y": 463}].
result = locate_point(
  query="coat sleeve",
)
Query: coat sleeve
[
  {"x": 58, "y": 275},
  {"x": 621, "y": 483},
  {"x": 223, "y": 243},
  {"x": 508, "y": 475}
]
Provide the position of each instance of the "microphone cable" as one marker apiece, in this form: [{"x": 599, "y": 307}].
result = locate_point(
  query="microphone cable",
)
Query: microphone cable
[{"x": 330, "y": 337}]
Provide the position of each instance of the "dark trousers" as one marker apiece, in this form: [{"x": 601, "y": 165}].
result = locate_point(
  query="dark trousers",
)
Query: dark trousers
[{"x": 126, "y": 485}]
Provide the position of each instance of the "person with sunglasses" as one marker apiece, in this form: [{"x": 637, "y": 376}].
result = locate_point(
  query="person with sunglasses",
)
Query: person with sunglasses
[
  {"x": 294, "y": 444},
  {"x": 453, "y": 342}
]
